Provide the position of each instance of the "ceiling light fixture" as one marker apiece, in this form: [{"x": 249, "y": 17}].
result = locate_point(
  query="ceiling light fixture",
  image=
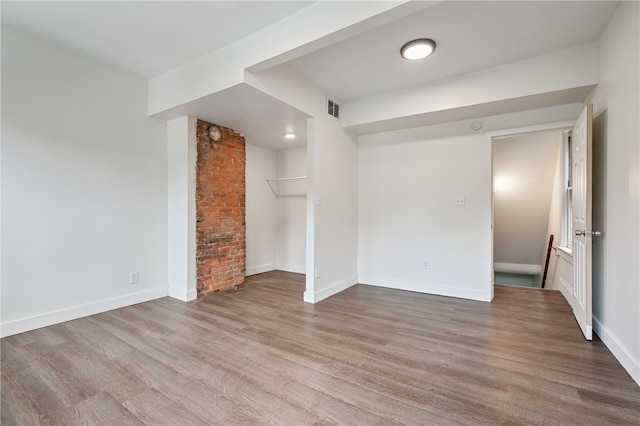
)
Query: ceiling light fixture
[
  {"x": 418, "y": 49},
  {"x": 289, "y": 135}
]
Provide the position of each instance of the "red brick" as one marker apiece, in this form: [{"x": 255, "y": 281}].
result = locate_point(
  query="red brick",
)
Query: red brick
[{"x": 220, "y": 210}]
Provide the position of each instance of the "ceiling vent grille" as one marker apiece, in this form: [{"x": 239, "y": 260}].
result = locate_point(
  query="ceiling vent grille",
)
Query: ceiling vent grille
[{"x": 333, "y": 108}]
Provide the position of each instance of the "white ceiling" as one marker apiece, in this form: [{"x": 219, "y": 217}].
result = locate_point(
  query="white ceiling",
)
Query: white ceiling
[
  {"x": 146, "y": 37},
  {"x": 151, "y": 37},
  {"x": 470, "y": 36}
]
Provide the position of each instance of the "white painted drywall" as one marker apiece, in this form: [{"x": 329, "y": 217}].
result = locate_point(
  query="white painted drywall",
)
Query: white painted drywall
[
  {"x": 182, "y": 155},
  {"x": 616, "y": 102},
  {"x": 84, "y": 186},
  {"x": 407, "y": 214},
  {"x": 261, "y": 210},
  {"x": 335, "y": 201},
  {"x": 291, "y": 207}
]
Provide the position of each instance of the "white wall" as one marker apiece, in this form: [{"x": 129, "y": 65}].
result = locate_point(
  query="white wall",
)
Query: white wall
[
  {"x": 406, "y": 215},
  {"x": 616, "y": 101},
  {"x": 182, "y": 156},
  {"x": 291, "y": 207},
  {"x": 335, "y": 200},
  {"x": 261, "y": 208},
  {"x": 84, "y": 193}
]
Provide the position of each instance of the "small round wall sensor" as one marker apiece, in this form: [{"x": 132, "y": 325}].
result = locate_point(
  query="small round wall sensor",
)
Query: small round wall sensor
[{"x": 476, "y": 125}]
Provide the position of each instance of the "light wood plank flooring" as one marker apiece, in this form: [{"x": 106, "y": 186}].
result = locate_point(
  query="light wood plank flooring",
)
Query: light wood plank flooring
[{"x": 367, "y": 356}]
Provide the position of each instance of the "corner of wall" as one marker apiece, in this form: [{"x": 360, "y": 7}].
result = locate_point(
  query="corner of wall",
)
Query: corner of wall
[{"x": 311, "y": 297}]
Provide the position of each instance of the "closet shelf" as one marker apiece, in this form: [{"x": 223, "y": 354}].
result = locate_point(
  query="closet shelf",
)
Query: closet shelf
[
  {"x": 287, "y": 178},
  {"x": 270, "y": 183}
]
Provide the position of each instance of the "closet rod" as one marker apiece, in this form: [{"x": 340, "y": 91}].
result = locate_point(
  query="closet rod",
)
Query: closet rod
[{"x": 287, "y": 178}]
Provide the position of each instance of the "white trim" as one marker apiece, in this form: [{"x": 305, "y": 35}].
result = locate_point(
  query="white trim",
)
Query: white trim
[
  {"x": 566, "y": 253},
  {"x": 21, "y": 325},
  {"x": 298, "y": 269},
  {"x": 182, "y": 294},
  {"x": 567, "y": 291},
  {"x": 253, "y": 270},
  {"x": 517, "y": 268},
  {"x": 588, "y": 334},
  {"x": 329, "y": 291},
  {"x": 622, "y": 354},
  {"x": 561, "y": 125},
  {"x": 428, "y": 288}
]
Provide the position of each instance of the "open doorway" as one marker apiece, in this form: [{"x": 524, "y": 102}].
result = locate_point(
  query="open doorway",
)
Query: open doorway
[
  {"x": 527, "y": 172},
  {"x": 276, "y": 191}
]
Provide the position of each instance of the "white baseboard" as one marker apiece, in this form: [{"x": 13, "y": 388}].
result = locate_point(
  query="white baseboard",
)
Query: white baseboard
[
  {"x": 517, "y": 268},
  {"x": 286, "y": 267},
  {"x": 335, "y": 288},
  {"x": 622, "y": 354},
  {"x": 429, "y": 288},
  {"x": 21, "y": 325},
  {"x": 181, "y": 294},
  {"x": 259, "y": 269}
]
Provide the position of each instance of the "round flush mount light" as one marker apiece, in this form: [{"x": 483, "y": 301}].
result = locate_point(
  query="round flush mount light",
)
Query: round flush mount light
[
  {"x": 289, "y": 135},
  {"x": 418, "y": 49}
]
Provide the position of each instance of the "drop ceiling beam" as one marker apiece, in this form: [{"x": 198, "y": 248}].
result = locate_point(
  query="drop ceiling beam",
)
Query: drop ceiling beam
[
  {"x": 559, "y": 78},
  {"x": 316, "y": 26}
]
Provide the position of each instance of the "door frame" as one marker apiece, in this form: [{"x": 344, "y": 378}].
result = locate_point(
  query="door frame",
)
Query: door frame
[{"x": 559, "y": 125}]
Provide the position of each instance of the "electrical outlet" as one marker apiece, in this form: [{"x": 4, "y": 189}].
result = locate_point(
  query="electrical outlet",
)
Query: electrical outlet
[
  {"x": 317, "y": 274},
  {"x": 460, "y": 200},
  {"x": 134, "y": 277},
  {"x": 426, "y": 264}
]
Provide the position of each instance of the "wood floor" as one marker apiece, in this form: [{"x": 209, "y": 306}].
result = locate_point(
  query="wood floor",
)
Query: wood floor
[{"x": 367, "y": 356}]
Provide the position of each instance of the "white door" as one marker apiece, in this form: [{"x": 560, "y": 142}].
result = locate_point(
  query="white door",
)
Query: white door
[{"x": 581, "y": 146}]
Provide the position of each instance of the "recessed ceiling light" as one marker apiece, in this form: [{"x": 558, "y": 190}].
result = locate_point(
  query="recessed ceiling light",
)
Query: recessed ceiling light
[
  {"x": 418, "y": 49},
  {"x": 289, "y": 135}
]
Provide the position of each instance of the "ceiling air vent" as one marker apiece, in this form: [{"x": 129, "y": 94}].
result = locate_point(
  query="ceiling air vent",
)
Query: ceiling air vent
[{"x": 333, "y": 108}]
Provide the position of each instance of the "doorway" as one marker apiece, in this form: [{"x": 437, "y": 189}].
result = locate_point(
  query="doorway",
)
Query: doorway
[
  {"x": 276, "y": 190},
  {"x": 527, "y": 174}
]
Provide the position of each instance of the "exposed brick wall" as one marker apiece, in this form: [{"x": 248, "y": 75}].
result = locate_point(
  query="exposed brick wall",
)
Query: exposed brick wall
[{"x": 220, "y": 210}]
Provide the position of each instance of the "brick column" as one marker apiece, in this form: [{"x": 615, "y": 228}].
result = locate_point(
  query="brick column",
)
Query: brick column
[{"x": 220, "y": 210}]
